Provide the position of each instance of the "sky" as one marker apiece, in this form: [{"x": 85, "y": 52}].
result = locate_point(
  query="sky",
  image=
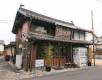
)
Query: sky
[{"x": 78, "y": 11}]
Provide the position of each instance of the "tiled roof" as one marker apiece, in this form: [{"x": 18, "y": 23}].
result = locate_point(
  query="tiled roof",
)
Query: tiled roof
[
  {"x": 22, "y": 14},
  {"x": 29, "y": 13},
  {"x": 52, "y": 38}
]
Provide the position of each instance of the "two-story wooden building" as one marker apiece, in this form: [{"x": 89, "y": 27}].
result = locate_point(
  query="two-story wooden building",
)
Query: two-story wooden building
[{"x": 34, "y": 32}]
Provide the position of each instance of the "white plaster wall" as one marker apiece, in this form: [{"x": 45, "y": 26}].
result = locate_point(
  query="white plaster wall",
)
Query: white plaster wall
[
  {"x": 88, "y": 36},
  {"x": 1, "y": 47}
]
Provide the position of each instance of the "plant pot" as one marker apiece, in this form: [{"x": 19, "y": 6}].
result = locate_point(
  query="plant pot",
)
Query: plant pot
[
  {"x": 89, "y": 63},
  {"x": 48, "y": 68}
]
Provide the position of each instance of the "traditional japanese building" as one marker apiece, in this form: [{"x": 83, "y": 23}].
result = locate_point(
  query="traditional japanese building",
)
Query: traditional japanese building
[
  {"x": 35, "y": 33},
  {"x": 10, "y": 50}
]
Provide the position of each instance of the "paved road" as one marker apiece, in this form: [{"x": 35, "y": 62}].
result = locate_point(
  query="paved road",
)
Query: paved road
[
  {"x": 6, "y": 71},
  {"x": 90, "y": 74}
]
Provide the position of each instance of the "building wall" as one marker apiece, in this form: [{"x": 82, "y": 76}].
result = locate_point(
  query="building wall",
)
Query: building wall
[
  {"x": 38, "y": 29},
  {"x": 9, "y": 52},
  {"x": 99, "y": 52},
  {"x": 99, "y": 49},
  {"x": 18, "y": 37},
  {"x": 24, "y": 30},
  {"x": 98, "y": 46},
  {"x": 63, "y": 32},
  {"x": 88, "y": 36},
  {"x": 21, "y": 35},
  {"x": 1, "y": 47}
]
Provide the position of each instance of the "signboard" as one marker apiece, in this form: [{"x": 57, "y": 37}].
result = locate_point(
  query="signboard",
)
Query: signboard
[{"x": 39, "y": 63}]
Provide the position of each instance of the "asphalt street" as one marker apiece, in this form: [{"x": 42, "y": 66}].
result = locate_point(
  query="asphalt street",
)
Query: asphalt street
[
  {"x": 93, "y": 73},
  {"x": 6, "y": 71},
  {"x": 89, "y": 74}
]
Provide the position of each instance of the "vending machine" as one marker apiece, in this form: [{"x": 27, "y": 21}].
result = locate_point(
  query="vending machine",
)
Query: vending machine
[{"x": 80, "y": 56}]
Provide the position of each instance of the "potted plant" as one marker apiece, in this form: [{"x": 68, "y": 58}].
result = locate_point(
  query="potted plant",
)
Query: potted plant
[{"x": 48, "y": 57}]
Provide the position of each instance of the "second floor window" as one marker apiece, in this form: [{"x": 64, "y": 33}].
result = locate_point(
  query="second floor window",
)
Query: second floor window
[{"x": 78, "y": 35}]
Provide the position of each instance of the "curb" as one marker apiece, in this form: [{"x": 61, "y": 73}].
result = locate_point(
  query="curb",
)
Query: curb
[{"x": 56, "y": 72}]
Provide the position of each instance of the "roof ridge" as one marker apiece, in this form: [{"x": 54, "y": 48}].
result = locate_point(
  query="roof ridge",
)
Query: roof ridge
[{"x": 41, "y": 15}]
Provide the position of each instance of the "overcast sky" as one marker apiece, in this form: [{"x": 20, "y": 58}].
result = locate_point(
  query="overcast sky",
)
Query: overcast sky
[{"x": 78, "y": 11}]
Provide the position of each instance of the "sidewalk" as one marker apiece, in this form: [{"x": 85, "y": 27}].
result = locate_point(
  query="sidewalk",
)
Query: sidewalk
[
  {"x": 21, "y": 74},
  {"x": 44, "y": 73},
  {"x": 39, "y": 73}
]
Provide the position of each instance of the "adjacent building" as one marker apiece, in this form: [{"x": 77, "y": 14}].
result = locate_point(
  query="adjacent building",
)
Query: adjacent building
[
  {"x": 98, "y": 47},
  {"x": 35, "y": 33},
  {"x": 1, "y": 47},
  {"x": 10, "y": 48}
]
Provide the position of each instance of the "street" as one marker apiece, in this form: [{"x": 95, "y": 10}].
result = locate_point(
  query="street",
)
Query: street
[
  {"x": 6, "y": 71},
  {"x": 9, "y": 72},
  {"x": 90, "y": 74}
]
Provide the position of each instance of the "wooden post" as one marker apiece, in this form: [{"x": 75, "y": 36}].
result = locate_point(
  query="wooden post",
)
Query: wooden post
[
  {"x": 26, "y": 56},
  {"x": 30, "y": 58},
  {"x": 11, "y": 52},
  {"x": 29, "y": 51},
  {"x": 71, "y": 52},
  {"x": 59, "y": 54},
  {"x": 33, "y": 55}
]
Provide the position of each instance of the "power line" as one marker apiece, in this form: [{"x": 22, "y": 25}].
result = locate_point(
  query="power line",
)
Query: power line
[
  {"x": 6, "y": 21},
  {"x": 100, "y": 1}
]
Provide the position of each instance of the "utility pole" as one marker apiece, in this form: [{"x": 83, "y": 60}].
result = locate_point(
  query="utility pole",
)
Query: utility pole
[{"x": 93, "y": 38}]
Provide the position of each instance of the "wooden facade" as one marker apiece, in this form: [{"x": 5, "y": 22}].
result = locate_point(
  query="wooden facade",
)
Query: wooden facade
[{"x": 34, "y": 32}]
